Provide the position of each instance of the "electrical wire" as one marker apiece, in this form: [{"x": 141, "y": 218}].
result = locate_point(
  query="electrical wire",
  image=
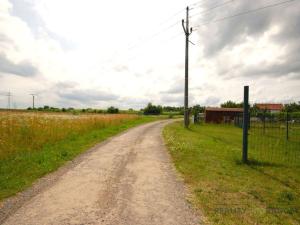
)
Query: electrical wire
[
  {"x": 244, "y": 13},
  {"x": 197, "y": 4},
  {"x": 171, "y": 17},
  {"x": 163, "y": 41},
  {"x": 212, "y": 8},
  {"x": 149, "y": 38}
]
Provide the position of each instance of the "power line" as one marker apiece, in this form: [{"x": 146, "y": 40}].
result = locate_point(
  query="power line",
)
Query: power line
[
  {"x": 197, "y": 4},
  {"x": 145, "y": 41},
  {"x": 212, "y": 8},
  {"x": 149, "y": 38},
  {"x": 245, "y": 13},
  {"x": 163, "y": 41},
  {"x": 173, "y": 37},
  {"x": 169, "y": 18}
]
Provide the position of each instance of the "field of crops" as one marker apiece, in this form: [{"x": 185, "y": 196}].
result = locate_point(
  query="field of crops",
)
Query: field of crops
[
  {"x": 31, "y": 131},
  {"x": 33, "y": 144}
]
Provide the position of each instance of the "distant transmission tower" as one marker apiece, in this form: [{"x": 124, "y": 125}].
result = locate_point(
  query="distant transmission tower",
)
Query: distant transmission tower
[
  {"x": 9, "y": 95},
  {"x": 33, "y": 97}
]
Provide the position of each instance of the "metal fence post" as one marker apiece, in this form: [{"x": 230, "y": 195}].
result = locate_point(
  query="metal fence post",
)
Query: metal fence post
[{"x": 245, "y": 124}]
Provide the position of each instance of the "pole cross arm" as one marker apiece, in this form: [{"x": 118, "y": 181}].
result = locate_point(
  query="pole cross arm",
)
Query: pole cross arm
[{"x": 184, "y": 29}]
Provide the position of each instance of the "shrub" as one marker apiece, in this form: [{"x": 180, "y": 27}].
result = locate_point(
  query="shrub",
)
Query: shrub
[
  {"x": 152, "y": 109},
  {"x": 112, "y": 110}
]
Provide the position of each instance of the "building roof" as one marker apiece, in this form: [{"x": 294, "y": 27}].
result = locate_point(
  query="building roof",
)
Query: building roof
[
  {"x": 216, "y": 109},
  {"x": 270, "y": 106}
]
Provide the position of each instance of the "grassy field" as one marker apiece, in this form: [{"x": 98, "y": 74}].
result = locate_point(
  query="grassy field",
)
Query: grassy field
[
  {"x": 34, "y": 144},
  {"x": 227, "y": 191}
]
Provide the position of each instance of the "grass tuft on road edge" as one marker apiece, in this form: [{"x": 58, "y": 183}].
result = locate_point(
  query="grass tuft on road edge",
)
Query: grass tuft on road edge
[
  {"x": 225, "y": 190},
  {"x": 20, "y": 170}
]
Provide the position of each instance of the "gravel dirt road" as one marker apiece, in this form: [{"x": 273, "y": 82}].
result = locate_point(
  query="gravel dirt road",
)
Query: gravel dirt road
[{"x": 127, "y": 180}]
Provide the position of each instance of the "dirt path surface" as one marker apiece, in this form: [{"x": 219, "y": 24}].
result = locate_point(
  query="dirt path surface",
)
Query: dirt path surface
[{"x": 128, "y": 180}]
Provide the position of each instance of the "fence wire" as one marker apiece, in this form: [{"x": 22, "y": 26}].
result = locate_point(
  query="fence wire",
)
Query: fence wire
[{"x": 275, "y": 139}]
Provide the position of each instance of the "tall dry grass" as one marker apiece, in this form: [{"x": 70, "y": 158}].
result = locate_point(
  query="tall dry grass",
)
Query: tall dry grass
[{"x": 31, "y": 131}]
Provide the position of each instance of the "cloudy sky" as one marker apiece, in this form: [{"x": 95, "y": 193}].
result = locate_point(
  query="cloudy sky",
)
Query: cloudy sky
[{"x": 91, "y": 53}]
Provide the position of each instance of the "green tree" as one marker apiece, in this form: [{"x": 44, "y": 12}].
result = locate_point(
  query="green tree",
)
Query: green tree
[
  {"x": 112, "y": 110},
  {"x": 197, "y": 109},
  {"x": 292, "y": 107},
  {"x": 231, "y": 104},
  {"x": 152, "y": 109},
  {"x": 46, "y": 107},
  {"x": 254, "y": 110}
]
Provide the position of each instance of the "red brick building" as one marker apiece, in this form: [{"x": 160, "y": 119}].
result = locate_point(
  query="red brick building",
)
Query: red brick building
[{"x": 222, "y": 115}]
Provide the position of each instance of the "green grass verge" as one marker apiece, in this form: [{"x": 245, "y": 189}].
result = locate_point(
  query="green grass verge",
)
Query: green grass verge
[
  {"x": 20, "y": 170},
  {"x": 227, "y": 191}
]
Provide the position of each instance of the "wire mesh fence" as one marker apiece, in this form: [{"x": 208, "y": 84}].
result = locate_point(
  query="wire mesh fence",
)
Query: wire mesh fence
[{"x": 275, "y": 139}]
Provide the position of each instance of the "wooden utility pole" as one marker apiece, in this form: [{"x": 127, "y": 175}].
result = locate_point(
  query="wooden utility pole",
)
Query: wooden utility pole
[{"x": 187, "y": 32}]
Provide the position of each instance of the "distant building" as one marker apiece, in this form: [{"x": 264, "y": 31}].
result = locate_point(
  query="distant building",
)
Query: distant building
[
  {"x": 270, "y": 107},
  {"x": 222, "y": 115}
]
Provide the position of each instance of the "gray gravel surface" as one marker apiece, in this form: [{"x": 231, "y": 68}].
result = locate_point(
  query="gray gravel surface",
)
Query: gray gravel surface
[{"x": 126, "y": 180}]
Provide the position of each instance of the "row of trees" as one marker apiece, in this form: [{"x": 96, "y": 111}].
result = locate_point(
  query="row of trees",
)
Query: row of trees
[
  {"x": 231, "y": 104},
  {"x": 293, "y": 110},
  {"x": 151, "y": 109},
  {"x": 46, "y": 108},
  {"x": 290, "y": 107},
  {"x": 156, "y": 110}
]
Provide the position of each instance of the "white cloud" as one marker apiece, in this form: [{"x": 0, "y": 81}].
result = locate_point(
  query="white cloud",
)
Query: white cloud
[{"x": 89, "y": 49}]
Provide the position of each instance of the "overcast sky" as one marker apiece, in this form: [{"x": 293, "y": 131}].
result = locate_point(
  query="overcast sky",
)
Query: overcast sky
[{"x": 91, "y": 53}]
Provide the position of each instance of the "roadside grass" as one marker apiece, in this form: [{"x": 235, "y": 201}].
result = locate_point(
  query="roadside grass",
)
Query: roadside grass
[
  {"x": 20, "y": 168},
  {"x": 227, "y": 191}
]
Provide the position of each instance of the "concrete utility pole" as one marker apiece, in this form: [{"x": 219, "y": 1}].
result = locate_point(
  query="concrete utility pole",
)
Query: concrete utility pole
[
  {"x": 187, "y": 32},
  {"x": 33, "y": 96}
]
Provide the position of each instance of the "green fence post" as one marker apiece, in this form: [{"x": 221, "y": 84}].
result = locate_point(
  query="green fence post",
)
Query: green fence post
[{"x": 245, "y": 124}]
